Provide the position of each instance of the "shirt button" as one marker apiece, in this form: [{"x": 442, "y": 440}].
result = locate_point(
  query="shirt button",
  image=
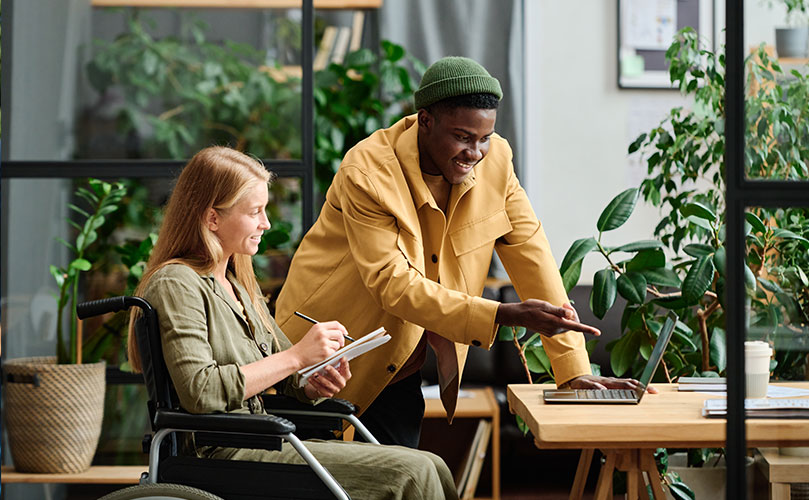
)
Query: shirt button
[
  {"x": 264, "y": 347},
  {"x": 391, "y": 368},
  {"x": 434, "y": 258},
  {"x": 476, "y": 343}
]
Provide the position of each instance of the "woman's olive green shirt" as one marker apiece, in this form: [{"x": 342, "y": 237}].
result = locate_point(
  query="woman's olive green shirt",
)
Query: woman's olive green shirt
[{"x": 206, "y": 339}]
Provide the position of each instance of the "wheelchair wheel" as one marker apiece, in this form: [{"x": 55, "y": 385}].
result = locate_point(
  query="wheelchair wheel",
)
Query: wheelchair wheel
[{"x": 160, "y": 491}]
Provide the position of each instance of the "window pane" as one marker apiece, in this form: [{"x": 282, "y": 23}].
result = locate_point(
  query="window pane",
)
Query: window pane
[
  {"x": 157, "y": 83},
  {"x": 776, "y": 331},
  {"x": 777, "y": 85}
]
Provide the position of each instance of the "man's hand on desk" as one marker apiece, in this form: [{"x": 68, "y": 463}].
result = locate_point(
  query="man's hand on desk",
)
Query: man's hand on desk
[
  {"x": 598, "y": 382},
  {"x": 542, "y": 317}
]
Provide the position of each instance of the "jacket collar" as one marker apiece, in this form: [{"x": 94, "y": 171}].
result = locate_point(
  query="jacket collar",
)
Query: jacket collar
[
  {"x": 407, "y": 152},
  {"x": 244, "y": 317}
]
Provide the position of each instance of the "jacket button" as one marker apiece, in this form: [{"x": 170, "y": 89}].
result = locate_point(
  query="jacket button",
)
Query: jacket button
[
  {"x": 264, "y": 347},
  {"x": 434, "y": 258},
  {"x": 391, "y": 368},
  {"x": 476, "y": 343}
]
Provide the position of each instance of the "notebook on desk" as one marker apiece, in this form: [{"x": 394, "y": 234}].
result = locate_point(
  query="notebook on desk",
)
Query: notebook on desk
[{"x": 619, "y": 396}]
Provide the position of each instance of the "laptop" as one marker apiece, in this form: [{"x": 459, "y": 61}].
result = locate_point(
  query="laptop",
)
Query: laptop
[{"x": 618, "y": 396}]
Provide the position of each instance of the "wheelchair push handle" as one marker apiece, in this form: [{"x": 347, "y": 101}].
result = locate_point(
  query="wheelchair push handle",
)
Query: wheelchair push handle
[{"x": 112, "y": 304}]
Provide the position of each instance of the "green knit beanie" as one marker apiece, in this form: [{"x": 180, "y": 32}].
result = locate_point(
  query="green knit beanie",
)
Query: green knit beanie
[{"x": 454, "y": 76}]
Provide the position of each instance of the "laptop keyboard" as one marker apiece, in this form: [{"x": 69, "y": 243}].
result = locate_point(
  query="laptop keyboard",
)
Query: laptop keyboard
[{"x": 605, "y": 394}]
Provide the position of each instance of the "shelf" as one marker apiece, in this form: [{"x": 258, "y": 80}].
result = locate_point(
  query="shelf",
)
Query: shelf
[
  {"x": 97, "y": 474},
  {"x": 240, "y": 4}
]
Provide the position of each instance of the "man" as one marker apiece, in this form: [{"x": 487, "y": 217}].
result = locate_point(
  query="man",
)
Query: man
[{"x": 405, "y": 241}]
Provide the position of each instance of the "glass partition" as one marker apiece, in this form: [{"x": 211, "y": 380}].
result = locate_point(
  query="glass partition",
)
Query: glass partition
[{"x": 777, "y": 91}]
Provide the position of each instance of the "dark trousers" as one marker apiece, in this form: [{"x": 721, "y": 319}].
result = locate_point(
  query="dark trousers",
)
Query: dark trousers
[{"x": 395, "y": 415}]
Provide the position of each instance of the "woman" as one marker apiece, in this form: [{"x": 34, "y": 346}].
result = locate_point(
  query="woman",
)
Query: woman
[{"x": 222, "y": 347}]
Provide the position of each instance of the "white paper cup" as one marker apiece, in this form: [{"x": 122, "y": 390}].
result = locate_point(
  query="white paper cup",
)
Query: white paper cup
[{"x": 757, "y": 356}]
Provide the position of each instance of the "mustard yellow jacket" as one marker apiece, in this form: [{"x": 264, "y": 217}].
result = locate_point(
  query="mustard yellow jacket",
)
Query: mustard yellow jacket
[{"x": 364, "y": 262}]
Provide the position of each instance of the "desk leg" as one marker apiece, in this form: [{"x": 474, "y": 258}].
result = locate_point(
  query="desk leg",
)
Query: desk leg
[
  {"x": 647, "y": 464},
  {"x": 642, "y": 493},
  {"x": 583, "y": 468},
  {"x": 780, "y": 491},
  {"x": 604, "y": 485},
  {"x": 631, "y": 468}
]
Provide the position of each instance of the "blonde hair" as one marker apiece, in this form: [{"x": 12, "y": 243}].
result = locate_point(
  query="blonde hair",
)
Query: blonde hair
[{"x": 216, "y": 177}]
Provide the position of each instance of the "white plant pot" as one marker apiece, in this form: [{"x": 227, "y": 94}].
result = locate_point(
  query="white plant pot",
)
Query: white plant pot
[{"x": 707, "y": 482}]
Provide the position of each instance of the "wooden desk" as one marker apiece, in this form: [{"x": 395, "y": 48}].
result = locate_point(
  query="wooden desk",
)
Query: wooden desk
[
  {"x": 482, "y": 404},
  {"x": 629, "y": 434},
  {"x": 97, "y": 474}
]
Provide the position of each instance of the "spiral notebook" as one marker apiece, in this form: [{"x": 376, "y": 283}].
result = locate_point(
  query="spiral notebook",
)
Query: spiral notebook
[{"x": 349, "y": 351}]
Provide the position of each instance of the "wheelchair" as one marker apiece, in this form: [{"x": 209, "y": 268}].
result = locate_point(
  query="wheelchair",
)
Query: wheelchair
[{"x": 171, "y": 475}]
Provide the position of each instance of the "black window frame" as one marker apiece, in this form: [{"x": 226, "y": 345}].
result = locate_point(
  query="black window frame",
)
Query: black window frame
[{"x": 741, "y": 193}]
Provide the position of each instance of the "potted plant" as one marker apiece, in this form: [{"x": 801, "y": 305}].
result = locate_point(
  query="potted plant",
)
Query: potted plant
[
  {"x": 793, "y": 40},
  {"x": 54, "y": 405}
]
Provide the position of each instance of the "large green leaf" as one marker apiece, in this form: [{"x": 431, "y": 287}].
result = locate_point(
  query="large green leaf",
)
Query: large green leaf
[
  {"x": 699, "y": 211},
  {"x": 647, "y": 259},
  {"x": 698, "y": 250},
  {"x": 618, "y": 210},
  {"x": 507, "y": 333},
  {"x": 602, "y": 296},
  {"x": 720, "y": 261},
  {"x": 632, "y": 287},
  {"x": 624, "y": 353},
  {"x": 571, "y": 276},
  {"x": 681, "y": 491},
  {"x": 637, "y": 246},
  {"x": 718, "y": 347},
  {"x": 577, "y": 251},
  {"x": 698, "y": 279},
  {"x": 789, "y": 235},
  {"x": 538, "y": 361},
  {"x": 755, "y": 222},
  {"x": 662, "y": 276},
  {"x": 685, "y": 342},
  {"x": 749, "y": 279}
]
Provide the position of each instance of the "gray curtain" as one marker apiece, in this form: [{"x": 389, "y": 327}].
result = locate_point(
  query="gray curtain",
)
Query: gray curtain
[{"x": 488, "y": 31}]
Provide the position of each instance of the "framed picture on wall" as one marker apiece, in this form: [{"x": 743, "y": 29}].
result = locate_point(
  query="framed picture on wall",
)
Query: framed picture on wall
[{"x": 645, "y": 31}]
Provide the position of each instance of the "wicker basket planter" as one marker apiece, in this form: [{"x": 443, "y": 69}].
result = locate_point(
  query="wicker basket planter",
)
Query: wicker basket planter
[{"x": 53, "y": 413}]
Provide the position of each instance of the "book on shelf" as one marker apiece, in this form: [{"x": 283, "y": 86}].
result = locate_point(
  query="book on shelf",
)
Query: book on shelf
[
  {"x": 356, "y": 31},
  {"x": 324, "y": 49},
  {"x": 341, "y": 45},
  {"x": 349, "y": 351},
  {"x": 704, "y": 384},
  {"x": 466, "y": 480},
  {"x": 760, "y": 408}
]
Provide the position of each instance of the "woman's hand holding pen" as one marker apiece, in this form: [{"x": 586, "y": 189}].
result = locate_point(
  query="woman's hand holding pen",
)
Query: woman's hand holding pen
[
  {"x": 319, "y": 343},
  {"x": 329, "y": 381}
]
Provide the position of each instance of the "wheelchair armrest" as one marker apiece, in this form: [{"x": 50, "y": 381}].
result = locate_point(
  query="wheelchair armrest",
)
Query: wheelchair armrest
[
  {"x": 223, "y": 422},
  {"x": 278, "y": 403}
]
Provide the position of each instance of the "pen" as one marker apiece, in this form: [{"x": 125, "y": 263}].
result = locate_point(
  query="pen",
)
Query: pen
[{"x": 307, "y": 318}]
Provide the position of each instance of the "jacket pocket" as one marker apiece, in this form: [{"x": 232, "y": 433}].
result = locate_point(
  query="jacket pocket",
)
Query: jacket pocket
[
  {"x": 480, "y": 233},
  {"x": 412, "y": 249}
]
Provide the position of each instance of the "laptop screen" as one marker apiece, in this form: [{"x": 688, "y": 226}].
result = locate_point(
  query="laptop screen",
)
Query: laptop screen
[{"x": 659, "y": 348}]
